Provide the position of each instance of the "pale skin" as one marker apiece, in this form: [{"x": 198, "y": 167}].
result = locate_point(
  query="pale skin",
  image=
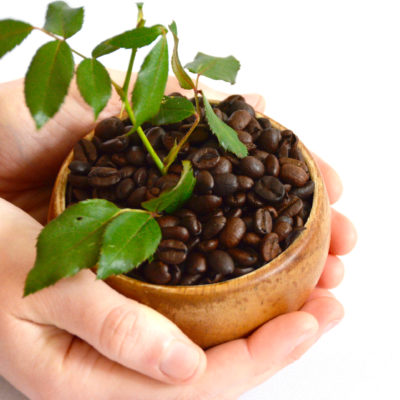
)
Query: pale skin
[{"x": 79, "y": 338}]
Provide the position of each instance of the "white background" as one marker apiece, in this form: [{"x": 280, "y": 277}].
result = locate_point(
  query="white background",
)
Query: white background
[{"x": 329, "y": 70}]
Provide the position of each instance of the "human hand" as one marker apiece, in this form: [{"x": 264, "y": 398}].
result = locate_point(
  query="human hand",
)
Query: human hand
[{"x": 81, "y": 339}]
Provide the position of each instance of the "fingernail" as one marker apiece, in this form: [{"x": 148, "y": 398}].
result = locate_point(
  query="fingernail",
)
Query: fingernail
[
  {"x": 331, "y": 325},
  {"x": 179, "y": 360}
]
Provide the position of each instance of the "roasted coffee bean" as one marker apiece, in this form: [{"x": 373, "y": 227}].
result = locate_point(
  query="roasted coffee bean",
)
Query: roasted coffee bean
[
  {"x": 115, "y": 145},
  {"x": 140, "y": 176},
  {"x": 220, "y": 261},
  {"x": 225, "y": 105},
  {"x": 295, "y": 206},
  {"x": 167, "y": 181},
  {"x": 119, "y": 159},
  {"x": 176, "y": 274},
  {"x": 262, "y": 221},
  {"x": 188, "y": 280},
  {"x": 225, "y": 184},
  {"x": 109, "y": 128},
  {"x": 236, "y": 199},
  {"x": 97, "y": 142},
  {"x": 78, "y": 181},
  {"x": 79, "y": 167},
  {"x": 192, "y": 224},
  {"x": 245, "y": 183},
  {"x": 254, "y": 128},
  {"x": 172, "y": 137},
  {"x": 292, "y": 237},
  {"x": 167, "y": 221},
  {"x": 124, "y": 188},
  {"x": 136, "y": 156},
  {"x": 153, "y": 176},
  {"x": 242, "y": 105},
  {"x": 284, "y": 149},
  {"x": 272, "y": 166},
  {"x": 175, "y": 232},
  {"x": 105, "y": 161},
  {"x": 296, "y": 153},
  {"x": 195, "y": 263},
  {"x": 233, "y": 212},
  {"x": 157, "y": 272},
  {"x": 208, "y": 245},
  {"x": 204, "y": 204},
  {"x": 127, "y": 171},
  {"x": 244, "y": 258},
  {"x": 221, "y": 115},
  {"x": 205, "y": 158},
  {"x": 233, "y": 232},
  {"x": 282, "y": 228},
  {"x": 305, "y": 191},
  {"x": 272, "y": 211},
  {"x": 287, "y": 187},
  {"x": 85, "y": 150},
  {"x": 264, "y": 122},
  {"x": 80, "y": 194},
  {"x": 193, "y": 242},
  {"x": 270, "y": 189},
  {"x": 176, "y": 169},
  {"x": 230, "y": 157},
  {"x": 270, "y": 246},
  {"x": 200, "y": 134},
  {"x": 242, "y": 271},
  {"x": 184, "y": 212},
  {"x": 251, "y": 239},
  {"x": 253, "y": 200},
  {"x": 152, "y": 192},
  {"x": 246, "y": 139},
  {"x": 269, "y": 140},
  {"x": 103, "y": 177},
  {"x": 172, "y": 251},
  {"x": 298, "y": 222},
  {"x": 248, "y": 220},
  {"x": 252, "y": 167},
  {"x": 223, "y": 166},
  {"x": 213, "y": 227},
  {"x": 204, "y": 182},
  {"x": 239, "y": 119},
  {"x": 105, "y": 193},
  {"x": 260, "y": 154},
  {"x": 136, "y": 198},
  {"x": 155, "y": 135},
  {"x": 214, "y": 278},
  {"x": 293, "y": 161},
  {"x": 305, "y": 212}
]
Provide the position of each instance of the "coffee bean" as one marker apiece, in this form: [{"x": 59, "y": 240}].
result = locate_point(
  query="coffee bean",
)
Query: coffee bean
[
  {"x": 124, "y": 188},
  {"x": 188, "y": 280},
  {"x": 239, "y": 119},
  {"x": 244, "y": 258},
  {"x": 204, "y": 204},
  {"x": 242, "y": 271},
  {"x": 193, "y": 242},
  {"x": 166, "y": 182},
  {"x": 270, "y": 246},
  {"x": 292, "y": 237},
  {"x": 254, "y": 128},
  {"x": 252, "y": 167},
  {"x": 127, "y": 171},
  {"x": 208, "y": 245},
  {"x": 119, "y": 159},
  {"x": 296, "y": 153},
  {"x": 136, "y": 156},
  {"x": 204, "y": 182},
  {"x": 245, "y": 183},
  {"x": 269, "y": 140},
  {"x": 78, "y": 181},
  {"x": 81, "y": 194},
  {"x": 260, "y": 154},
  {"x": 136, "y": 198},
  {"x": 284, "y": 149},
  {"x": 225, "y": 104},
  {"x": 175, "y": 232},
  {"x": 172, "y": 251},
  {"x": 233, "y": 232},
  {"x": 225, "y": 184},
  {"x": 176, "y": 169},
  {"x": 298, "y": 222},
  {"x": 176, "y": 274},
  {"x": 246, "y": 139},
  {"x": 115, "y": 145},
  {"x": 264, "y": 122},
  {"x": 105, "y": 193},
  {"x": 251, "y": 239},
  {"x": 152, "y": 192},
  {"x": 172, "y": 137},
  {"x": 272, "y": 211},
  {"x": 140, "y": 176},
  {"x": 248, "y": 221},
  {"x": 167, "y": 221},
  {"x": 199, "y": 135},
  {"x": 236, "y": 199},
  {"x": 270, "y": 189},
  {"x": 218, "y": 277},
  {"x": 85, "y": 150},
  {"x": 223, "y": 166},
  {"x": 195, "y": 264},
  {"x": 109, "y": 128},
  {"x": 262, "y": 221},
  {"x": 157, "y": 272},
  {"x": 213, "y": 227},
  {"x": 272, "y": 165},
  {"x": 79, "y": 167},
  {"x": 155, "y": 135},
  {"x": 205, "y": 158},
  {"x": 105, "y": 161},
  {"x": 184, "y": 212},
  {"x": 103, "y": 177},
  {"x": 221, "y": 262},
  {"x": 192, "y": 224},
  {"x": 97, "y": 142},
  {"x": 305, "y": 191},
  {"x": 293, "y": 161},
  {"x": 294, "y": 207},
  {"x": 242, "y": 105},
  {"x": 221, "y": 115},
  {"x": 253, "y": 200},
  {"x": 233, "y": 212},
  {"x": 282, "y": 228}
]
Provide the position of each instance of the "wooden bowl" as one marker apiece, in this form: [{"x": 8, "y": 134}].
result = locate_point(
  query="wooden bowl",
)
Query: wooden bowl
[{"x": 216, "y": 313}]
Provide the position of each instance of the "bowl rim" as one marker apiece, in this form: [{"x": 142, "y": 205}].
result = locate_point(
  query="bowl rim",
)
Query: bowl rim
[{"x": 229, "y": 286}]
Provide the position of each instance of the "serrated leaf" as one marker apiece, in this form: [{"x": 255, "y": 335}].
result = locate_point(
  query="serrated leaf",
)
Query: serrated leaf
[
  {"x": 227, "y": 137},
  {"x": 94, "y": 84},
  {"x": 48, "y": 79},
  {"x": 183, "y": 78},
  {"x": 70, "y": 243},
  {"x": 173, "y": 109},
  {"x": 150, "y": 83},
  {"x": 12, "y": 33},
  {"x": 63, "y": 20},
  {"x": 219, "y": 68},
  {"x": 129, "y": 239},
  {"x": 132, "y": 39},
  {"x": 173, "y": 199}
]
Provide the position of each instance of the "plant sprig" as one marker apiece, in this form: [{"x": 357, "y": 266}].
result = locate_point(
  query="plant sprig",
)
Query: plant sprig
[{"x": 102, "y": 232}]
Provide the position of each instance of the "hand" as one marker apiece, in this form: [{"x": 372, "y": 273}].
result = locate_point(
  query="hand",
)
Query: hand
[{"x": 81, "y": 339}]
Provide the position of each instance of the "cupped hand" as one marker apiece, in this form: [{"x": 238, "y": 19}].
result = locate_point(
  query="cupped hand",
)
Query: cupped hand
[{"x": 79, "y": 338}]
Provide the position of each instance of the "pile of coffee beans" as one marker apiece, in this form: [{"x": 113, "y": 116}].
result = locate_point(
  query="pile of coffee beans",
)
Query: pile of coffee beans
[{"x": 243, "y": 212}]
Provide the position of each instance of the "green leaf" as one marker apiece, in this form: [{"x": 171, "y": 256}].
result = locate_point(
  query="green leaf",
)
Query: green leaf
[
  {"x": 133, "y": 39},
  {"x": 63, "y": 20},
  {"x": 173, "y": 199},
  {"x": 48, "y": 79},
  {"x": 129, "y": 239},
  {"x": 183, "y": 78},
  {"x": 150, "y": 83},
  {"x": 70, "y": 243},
  {"x": 219, "y": 68},
  {"x": 227, "y": 137},
  {"x": 173, "y": 109},
  {"x": 94, "y": 84},
  {"x": 12, "y": 33}
]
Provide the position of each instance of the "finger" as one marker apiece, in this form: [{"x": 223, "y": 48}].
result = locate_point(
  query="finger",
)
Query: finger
[
  {"x": 343, "y": 234},
  {"x": 332, "y": 181},
  {"x": 332, "y": 274}
]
